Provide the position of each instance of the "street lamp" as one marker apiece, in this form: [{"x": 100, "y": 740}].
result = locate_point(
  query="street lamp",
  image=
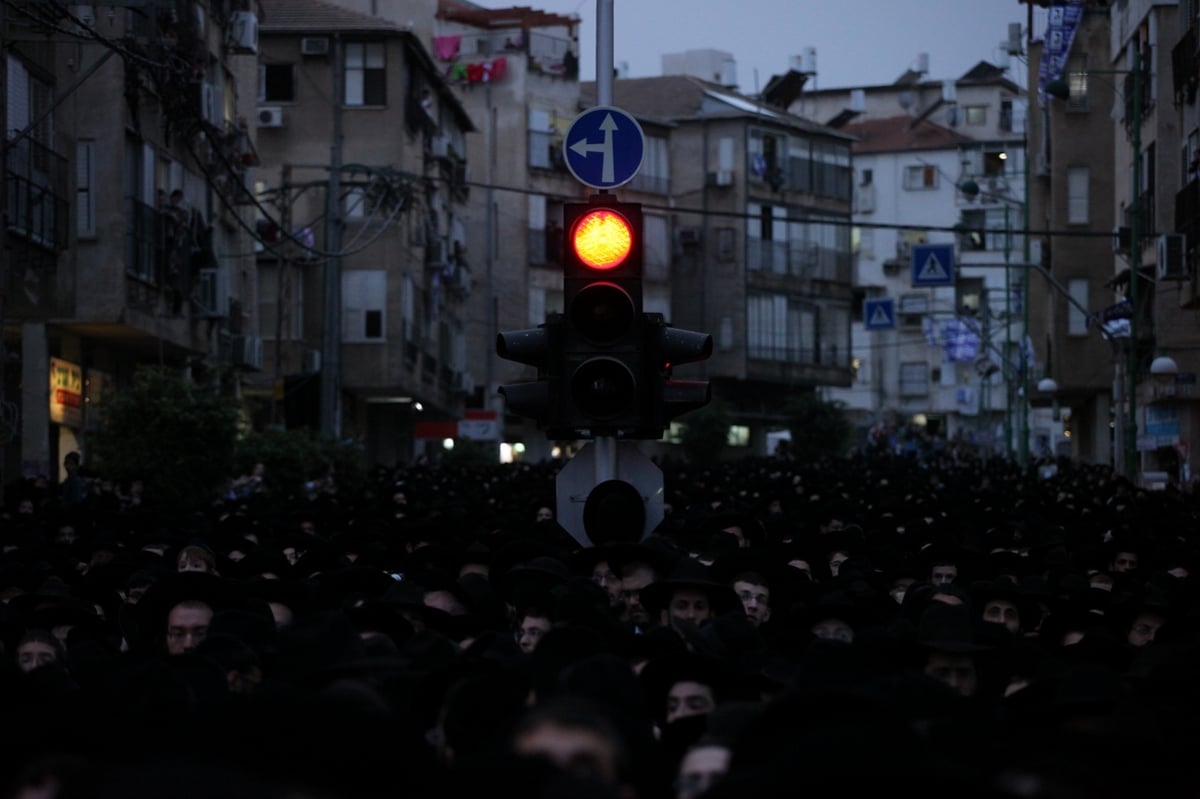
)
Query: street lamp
[
  {"x": 1061, "y": 89},
  {"x": 970, "y": 189}
]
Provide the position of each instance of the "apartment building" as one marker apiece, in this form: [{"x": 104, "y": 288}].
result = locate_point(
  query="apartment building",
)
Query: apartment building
[
  {"x": 937, "y": 163},
  {"x": 1115, "y": 143},
  {"x": 126, "y": 157},
  {"x": 516, "y": 72},
  {"x": 755, "y": 205},
  {"x": 365, "y": 271}
]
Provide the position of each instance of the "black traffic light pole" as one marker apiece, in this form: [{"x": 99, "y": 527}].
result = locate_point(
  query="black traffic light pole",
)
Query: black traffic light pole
[{"x": 604, "y": 365}]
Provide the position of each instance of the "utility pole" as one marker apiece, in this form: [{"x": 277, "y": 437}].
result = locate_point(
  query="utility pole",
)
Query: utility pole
[
  {"x": 331, "y": 335},
  {"x": 282, "y": 262}
]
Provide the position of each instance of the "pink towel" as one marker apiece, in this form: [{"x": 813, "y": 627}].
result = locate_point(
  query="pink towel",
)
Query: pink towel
[{"x": 446, "y": 47}]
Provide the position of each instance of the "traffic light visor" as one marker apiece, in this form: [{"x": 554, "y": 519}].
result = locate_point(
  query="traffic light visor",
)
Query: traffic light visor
[{"x": 602, "y": 239}]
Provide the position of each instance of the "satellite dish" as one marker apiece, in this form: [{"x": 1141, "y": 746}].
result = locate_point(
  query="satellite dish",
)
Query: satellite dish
[{"x": 906, "y": 100}]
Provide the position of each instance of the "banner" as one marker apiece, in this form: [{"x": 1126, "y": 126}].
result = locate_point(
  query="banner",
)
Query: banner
[{"x": 1063, "y": 21}]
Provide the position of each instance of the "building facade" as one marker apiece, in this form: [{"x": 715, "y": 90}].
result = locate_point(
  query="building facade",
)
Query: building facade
[
  {"x": 364, "y": 264},
  {"x": 126, "y": 159},
  {"x": 756, "y": 221},
  {"x": 1118, "y": 127},
  {"x": 936, "y": 163}
]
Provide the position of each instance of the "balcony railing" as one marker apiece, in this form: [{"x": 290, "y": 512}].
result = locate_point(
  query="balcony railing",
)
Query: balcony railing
[
  {"x": 799, "y": 259},
  {"x": 768, "y": 352},
  {"x": 143, "y": 241},
  {"x": 37, "y": 194}
]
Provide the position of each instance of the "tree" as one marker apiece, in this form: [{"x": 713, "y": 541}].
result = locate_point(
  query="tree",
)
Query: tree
[
  {"x": 290, "y": 458},
  {"x": 174, "y": 434},
  {"x": 818, "y": 428},
  {"x": 705, "y": 433}
]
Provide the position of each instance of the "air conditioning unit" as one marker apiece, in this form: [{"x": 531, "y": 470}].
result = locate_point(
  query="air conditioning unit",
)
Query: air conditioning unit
[
  {"x": 247, "y": 352},
  {"x": 270, "y": 116},
  {"x": 242, "y": 33},
  {"x": 1120, "y": 240},
  {"x": 314, "y": 46},
  {"x": 311, "y": 361},
  {"x": 1172, "y": 256}
]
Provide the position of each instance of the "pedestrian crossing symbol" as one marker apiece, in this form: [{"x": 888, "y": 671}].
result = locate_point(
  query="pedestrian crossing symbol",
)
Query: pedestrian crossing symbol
[
  {"x": 933, "y": 265},
  {"x": 879, "y": 314}
]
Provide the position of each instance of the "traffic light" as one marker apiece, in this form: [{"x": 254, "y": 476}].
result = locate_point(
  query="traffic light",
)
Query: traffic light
[
  {"x": 666, "y": 348},
  {"x": 541, "y": 347},
  {"x": 604, "y": 389}
]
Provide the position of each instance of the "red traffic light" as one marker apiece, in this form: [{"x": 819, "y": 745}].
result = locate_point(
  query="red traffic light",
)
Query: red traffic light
[{"x": 602, "y": 239}]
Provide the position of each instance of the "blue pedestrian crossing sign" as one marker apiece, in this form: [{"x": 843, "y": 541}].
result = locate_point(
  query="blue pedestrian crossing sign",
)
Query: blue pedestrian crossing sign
[
  {"x": 879, "y": 314},
  {"x": 604, "y": 147},
  {"x": 933, "y": 265}
]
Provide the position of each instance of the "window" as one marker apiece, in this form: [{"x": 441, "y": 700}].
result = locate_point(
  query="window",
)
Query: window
[
  {"x": 654, "y": 174},
  {"x": 976, "y": 115},
  {"x": 767, "y": 236},
  {"x": 276, "y": 83},
  {"x": 656, "y": 252},
  {"x": 738, "y": 436},
  {"x": 85, "y": 198},
  {"x": 275, "y": 315},
  {"x": 780, "y": 330},
  {"x": 912, "y": 308},
  {"x": 767, "y": 157},
  {"x": 725, "y": 333},
  {"x": 1077, "y": 81},
  {"x": 541, "y": 139},
  {"x": 921, "y": 176},
  {"x": 366, "y": 82},
  {"x": 914, "y": 379},
  {"x": 726, "y": 244},
  {"x": 364, "y": 298},
  {"x": 28, "y": 99},
  {"x": 1077, "y": 289},
  {"x": 1077, "y": 195}
]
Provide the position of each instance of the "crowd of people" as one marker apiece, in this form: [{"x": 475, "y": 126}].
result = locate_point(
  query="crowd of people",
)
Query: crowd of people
[{"x": 883, "y": 622}]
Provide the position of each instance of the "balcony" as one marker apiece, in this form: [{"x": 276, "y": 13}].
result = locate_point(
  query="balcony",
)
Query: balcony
[
  {"x": 800, "y": 259},
  {"x": 37, "y": 185},
  {"x": 158, "y": 253}
]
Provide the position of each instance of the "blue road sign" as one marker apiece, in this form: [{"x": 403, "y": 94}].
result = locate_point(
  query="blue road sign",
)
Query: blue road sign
[
  {"x": 933, "y": 265},
  {"x": 604, "y": 147},
  {"x": 879, "y": 314}
]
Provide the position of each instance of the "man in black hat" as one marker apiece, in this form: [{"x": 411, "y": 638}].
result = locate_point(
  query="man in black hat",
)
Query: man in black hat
[{"x": 688, "y": 598}]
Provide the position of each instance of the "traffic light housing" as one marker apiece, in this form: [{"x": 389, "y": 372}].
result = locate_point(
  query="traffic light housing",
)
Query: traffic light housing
[
  {"x": 541, "y": 347},
  {"x": 668, "y": 347},
  {"x": 604, "y": 386}
]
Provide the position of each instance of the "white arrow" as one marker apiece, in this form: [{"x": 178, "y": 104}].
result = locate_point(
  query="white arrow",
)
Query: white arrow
[{"x": 583, "y": 148}]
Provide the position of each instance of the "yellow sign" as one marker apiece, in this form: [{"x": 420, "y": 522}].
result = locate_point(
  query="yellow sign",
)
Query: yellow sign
[{"x": 66, "y": 393}]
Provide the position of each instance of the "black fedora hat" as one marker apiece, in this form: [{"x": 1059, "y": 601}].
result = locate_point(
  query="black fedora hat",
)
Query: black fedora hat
[
  {"x": 689, "y": 574},
  {"x": 948, "y": 628}
]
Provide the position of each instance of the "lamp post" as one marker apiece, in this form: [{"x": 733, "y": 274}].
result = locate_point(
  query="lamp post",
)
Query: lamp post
[
  {"x": 1061, "y": 89},
  {"x": 970, "y": 189}
]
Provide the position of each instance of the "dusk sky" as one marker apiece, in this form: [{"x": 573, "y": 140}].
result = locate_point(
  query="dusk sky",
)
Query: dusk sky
[{"x": 858, "y": 42}]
